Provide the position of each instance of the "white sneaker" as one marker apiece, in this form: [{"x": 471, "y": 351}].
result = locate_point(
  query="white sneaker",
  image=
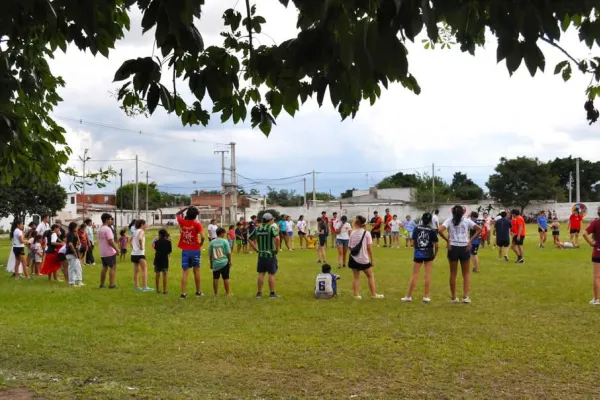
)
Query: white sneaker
[
  {"x": 406, "y": 299},
  {"x": 378, "y": 296},
  {"x": 454, "y": 300},
  {"x": 426, "y": 300},
  {"x": 358, "y": 297},
  {"x": 595, "y": 302},
  {"x": 81, "y": 284},
  {"x": 466, "y": 300}
]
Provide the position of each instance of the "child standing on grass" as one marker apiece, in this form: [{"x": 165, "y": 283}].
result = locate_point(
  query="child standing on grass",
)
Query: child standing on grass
[
  {"x": 220, "y": 261},
  {"x": 239, "y": 237},
  {"x": 231, "y": 236},
  {"x": 555, "y": 232},
  {"x": 138, "y": 256},
  {"x": 161, "y": 259},
  {"x": 426, "y": 248},
  {"x": 326, "y": 283},
  {"x": 38, "y": 254},
  {"x": 123, "y": 241}
]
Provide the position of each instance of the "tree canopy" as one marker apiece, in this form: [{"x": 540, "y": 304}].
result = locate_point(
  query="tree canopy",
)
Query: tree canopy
[
  {"x": 22, "y": 198},
  {"x": 589, "y": 175},
  {"x": 347, "y": 49},
  {"x": 156, "y": 198},
  {"x": 519, "y": 181},
  {"x": 399, "y": 180},
  {"x": 465, "y": 189}
]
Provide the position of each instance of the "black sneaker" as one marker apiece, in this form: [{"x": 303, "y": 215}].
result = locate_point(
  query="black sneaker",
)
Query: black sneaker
[
  {"x": 319, "y": 262},
  {"x": 259, "y": 295},
  {"x": 521, "y": 261},
  {"x": 199, "y": 294},
  {"x": 112, "y": 287},
  {"x": 183, "y": 296},
  {"x": 101, "y": 287},
  {"x": 506, "y": 258},
  {"x": 274, "y": 296}
]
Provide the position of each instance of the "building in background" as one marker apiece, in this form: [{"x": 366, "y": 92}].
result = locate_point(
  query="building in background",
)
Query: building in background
[{"x": 374, "y": 195}]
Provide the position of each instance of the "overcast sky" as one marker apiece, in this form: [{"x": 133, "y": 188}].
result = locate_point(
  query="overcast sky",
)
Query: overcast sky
[{"x": 469, "y": 114}]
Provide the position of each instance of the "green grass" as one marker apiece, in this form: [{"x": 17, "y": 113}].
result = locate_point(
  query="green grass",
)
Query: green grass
[{"x": 528, "y": 333}]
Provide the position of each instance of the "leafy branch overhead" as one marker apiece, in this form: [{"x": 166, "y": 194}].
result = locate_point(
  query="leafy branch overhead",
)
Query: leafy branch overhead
[{"x": 344, "y": 53}]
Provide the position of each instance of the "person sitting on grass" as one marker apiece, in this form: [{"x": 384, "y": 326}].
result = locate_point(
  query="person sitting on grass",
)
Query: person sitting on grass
[
  {"x": 326, "y": 283},
  {"x": 163, "y": 249},
  {"x": 425, "y": 241},
  {"x": 311, "y": 241},
  {"x": 220, "y": 261}
]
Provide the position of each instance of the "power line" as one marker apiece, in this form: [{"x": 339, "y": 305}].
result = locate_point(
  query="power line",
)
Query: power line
[
  {"x": 139, "y": 132},
  {"x": 179, "y": 170},
  {"x": 370, "y": 172}
]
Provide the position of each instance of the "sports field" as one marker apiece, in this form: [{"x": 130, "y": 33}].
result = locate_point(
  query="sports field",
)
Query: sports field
[{"x": 529, "y": 333}]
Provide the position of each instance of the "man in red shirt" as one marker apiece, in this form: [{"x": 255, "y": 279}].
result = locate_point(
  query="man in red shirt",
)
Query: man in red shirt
[
  {"x": 376, "y": 223},
  {"x": 189, "y": 230},
  {"x": 387, "y": 233},
  {"x": 575, "y": 227},
  {"x": 593, "y": 229},
  {"x": 518, "y": 232}
]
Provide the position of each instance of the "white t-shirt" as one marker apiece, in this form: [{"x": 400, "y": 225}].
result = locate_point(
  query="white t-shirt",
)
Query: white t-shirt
[
  {"x": 459, "y": 235},
  {"x": 324, "y": 286},
  {"x": 395, "y": 225},
  {"x": 343, "y": 230},
  {"x": 212, "y": 231},
  {"x": 53, "y": 238},
  {"x": 63, "y": 250},
  {"x": 302, "y": 226},
  {"x": 42, "y": 228},
  {"x": 498, "y": 218},
  {"x": 436, "y": 221},
  {"x": 17, "y": 234},
  {"x": 136, "y": 250},
  {"x": 355, "y": 236},
  {"x": 289, "y": 226}
]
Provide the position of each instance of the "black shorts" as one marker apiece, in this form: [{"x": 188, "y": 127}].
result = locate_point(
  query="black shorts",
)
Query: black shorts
[
  {"x": 223, "y": 273},
  {"x": 123, "y": 251},
  {"x": 572, "y": 231},
  {"x": 19, "y": 251},
  {"x": 109, "y": 262},
  {"x": 502, "y": 243},
  {"x": 422, "y": 260},
  {"x": 352, "y": 264},
  {"x": 456, "y": 253},
  {"x": 267, "y": 266},
  {"x": 136, "y": 259},
  {"x": 540, "y": 230},
  {"x": 375, "y": 235},
  {"x": 322, "y": 240},
  {"x": 301, "y": 233},
  {"x": 518, "y": 240},
  {"x": 474, "y": 249},
  {"x": 61, "y": 257},
  {"x": 555, "y": 233},
  {"x": 596, "y": 260},
  {"x": 161, "y": 268}
]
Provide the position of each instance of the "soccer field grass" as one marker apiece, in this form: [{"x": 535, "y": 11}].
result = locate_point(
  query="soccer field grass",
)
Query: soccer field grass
[{"x": 528, "y": 333}]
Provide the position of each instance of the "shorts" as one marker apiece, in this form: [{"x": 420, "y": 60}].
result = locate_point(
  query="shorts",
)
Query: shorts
[
  {"x": 540, "y": 230},
  {"x": 518, "y": 240},
  {"x": 136, "y": 259},
  {"x": 572, "y": 231},
  {"x": 238, "y": 242},
  {"x": 123, "y": 251},
  {"x": 190, "y": 259},
  {"x": 231, "y": 243},
  {"x": 422, "y": 260},
  {"x": 555, "y": 233},
  {"x": 223, "y": 273},
  {"x": 352, "y": 264},
  {"x": 19, "y": 251},
  {"x": 596, "y": 260},
  {"x": 474, "y": 249},
  {"x": 322, "y": 240},
  {"x": 290, "y": 234},
  {"x": 396, "y": 234},
  {"x": 161, "y": 268},
  {"x": 387, "y": 234},
  {"x": 267, "y": 265},
  {"x": 61, "y": 257},
  {"x": 502, "y": 243},
  {"x": 375, "y": 235},
  {"x": 301, "y": 233},
  {"x": 458, "y": 253},
  {"x": 31, "y": 254},
  {"x": 109, "y": 262},
  {"x": 342, "y": 242}
]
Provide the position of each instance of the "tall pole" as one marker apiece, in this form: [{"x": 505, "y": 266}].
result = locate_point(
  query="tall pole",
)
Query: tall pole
[
  {"x": 433, "y": 184},
  {"x": 223, "y": 189},
  {"x": 121, "y": 201},
  {"x": 314, "y": 196},
  {"x": 234, "y": 200},
  {"x": 578, "y": 187},
  {"x": 84, "y": 181},
  {"x": 570, "y": 186},
  {"x": 304, "y": 192},
  {"x": 146, "y": 196},
  {"x": 137, "y": 193}
]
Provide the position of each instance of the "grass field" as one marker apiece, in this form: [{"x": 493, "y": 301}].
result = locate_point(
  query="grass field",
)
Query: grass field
[{"x": 529, "y": 333}]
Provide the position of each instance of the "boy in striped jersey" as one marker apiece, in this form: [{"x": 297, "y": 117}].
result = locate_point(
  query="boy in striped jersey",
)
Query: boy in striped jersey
[{"x": 267, "y": 243}]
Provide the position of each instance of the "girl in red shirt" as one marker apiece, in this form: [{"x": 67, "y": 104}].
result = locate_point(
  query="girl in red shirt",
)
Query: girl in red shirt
[{"x": 575, "y": 227}]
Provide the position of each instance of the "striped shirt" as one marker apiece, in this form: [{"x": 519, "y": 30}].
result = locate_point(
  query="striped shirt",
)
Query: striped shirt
[{"x": 265, "y": 235}]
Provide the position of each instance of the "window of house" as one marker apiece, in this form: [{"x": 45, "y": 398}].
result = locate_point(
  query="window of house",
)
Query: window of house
[{"x": 72, "y": 199}]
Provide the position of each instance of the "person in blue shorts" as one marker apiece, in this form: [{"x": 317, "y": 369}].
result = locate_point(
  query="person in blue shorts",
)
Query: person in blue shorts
[
  {"x": 542, "y": 222},
  {"x": 189, "y": 230},
  {"x": 476, "y": 242}
]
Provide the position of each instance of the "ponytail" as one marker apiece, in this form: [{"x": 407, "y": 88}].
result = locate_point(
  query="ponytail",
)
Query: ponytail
[
  {"x": 457, "y": 214},
  {"x": 426, "y": 219}
]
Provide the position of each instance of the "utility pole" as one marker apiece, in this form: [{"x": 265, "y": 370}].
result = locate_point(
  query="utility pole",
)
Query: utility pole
[
  {"x": 314, "y": 188},
  {"x": 121, "y": 201},
  {"x": 305, "y": 193},
  {"x": 147, "y": 197},
  {"x": 578, "y": 187},
  {"x": 234, "y": 200},
  {"x": 570, "y": 186},
  {"x": 84, "y": 159},
  {"x": 433, "y": 184},
  {"x": 137, "y": 193},
  {"x": 223, "y": 189}
]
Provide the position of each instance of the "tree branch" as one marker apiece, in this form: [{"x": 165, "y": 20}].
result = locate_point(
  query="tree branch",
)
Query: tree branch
[
  {"x": 249, "y": 25},
  {"x": 552, "y": 43}
]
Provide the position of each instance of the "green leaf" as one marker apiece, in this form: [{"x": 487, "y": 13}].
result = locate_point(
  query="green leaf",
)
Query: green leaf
[
  {"x": 346, "y": 44},
  {"x": 566, "y": 74},
  {"x": 275, "y": 100},
  {"x": 559, "y": 67},
  {"x": 153, "y": 97},
  {"x": 566, "y": 22},
  {"x": 534, "y": 59},
  {"x": 165, "y": 98},
  {"x": 125, "y": 71}
]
